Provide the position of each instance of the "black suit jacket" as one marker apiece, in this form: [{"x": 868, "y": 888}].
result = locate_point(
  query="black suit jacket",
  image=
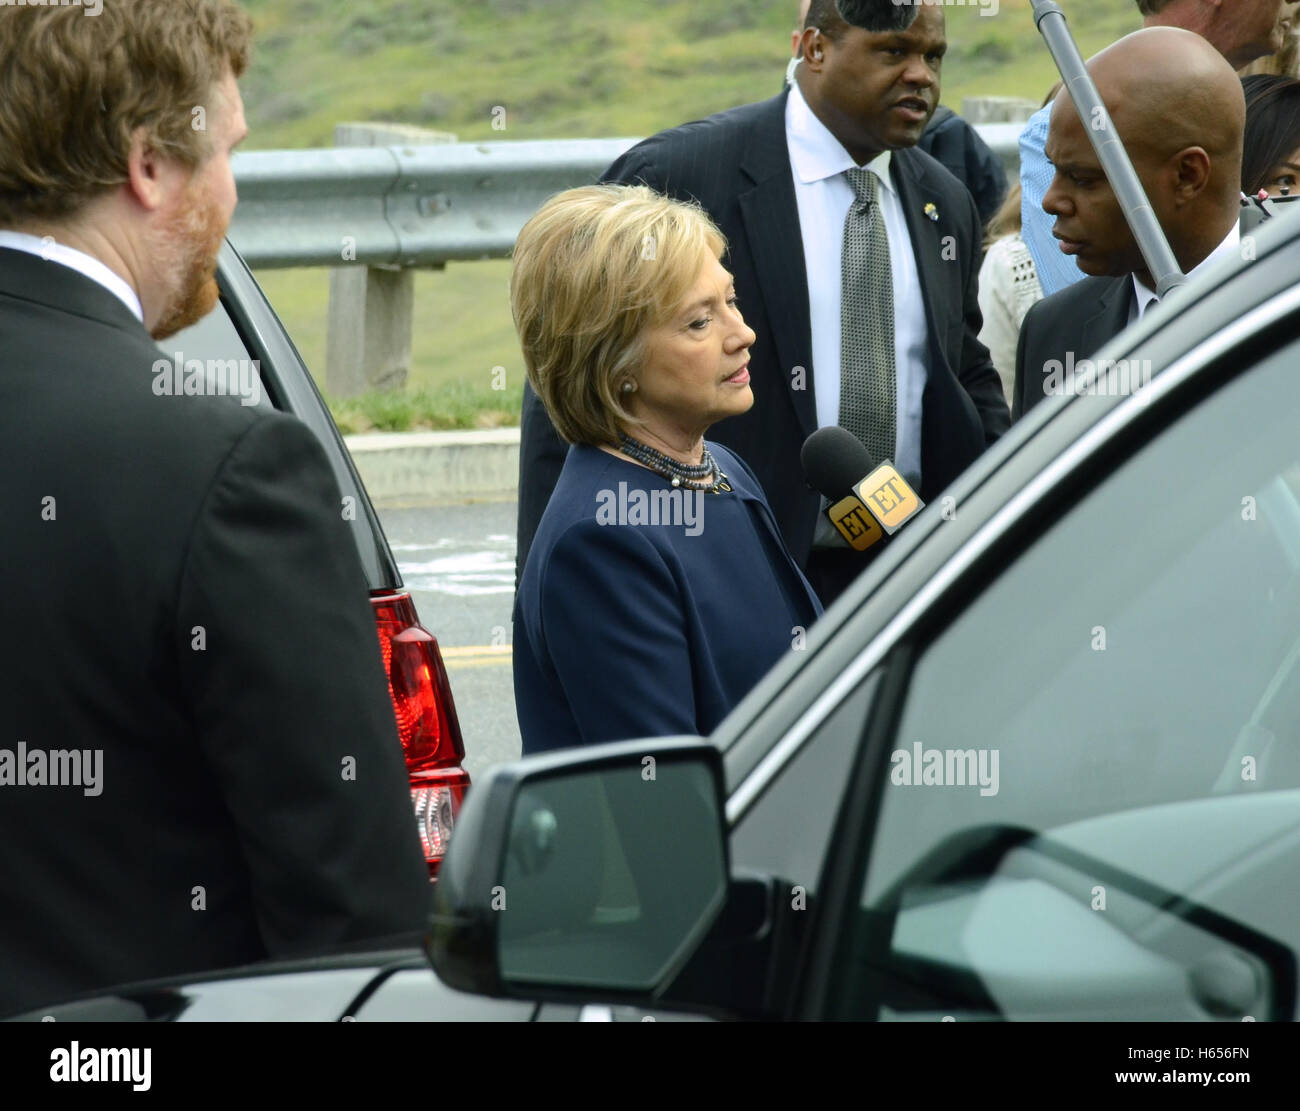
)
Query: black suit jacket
[
  {"x": 179, "y": 594},
  {"x": 1071, "y": 325},
  {"x": 737, "y": 165}
]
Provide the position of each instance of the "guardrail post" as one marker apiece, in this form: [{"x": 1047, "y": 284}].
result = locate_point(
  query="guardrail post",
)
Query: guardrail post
[{"x": 368, "y": 344}]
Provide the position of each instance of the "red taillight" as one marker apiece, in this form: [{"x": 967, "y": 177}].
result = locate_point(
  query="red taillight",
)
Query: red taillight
[{"x": 426, "y": 721}]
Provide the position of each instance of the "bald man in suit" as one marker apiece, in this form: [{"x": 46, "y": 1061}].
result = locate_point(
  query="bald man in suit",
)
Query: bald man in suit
[{"x": 1178, "y": 106}]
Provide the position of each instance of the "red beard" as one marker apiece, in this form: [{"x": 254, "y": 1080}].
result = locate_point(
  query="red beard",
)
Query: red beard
[{"x": 191, "y": 241}]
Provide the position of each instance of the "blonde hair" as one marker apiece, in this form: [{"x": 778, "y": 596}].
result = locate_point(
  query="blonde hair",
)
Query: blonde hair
[
  {"x": 594, "y": 270},
  {"x": 73, "y": 91}
]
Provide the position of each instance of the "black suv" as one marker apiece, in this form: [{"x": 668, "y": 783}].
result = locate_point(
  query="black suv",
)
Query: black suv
[{"x": 245, "y": 327}]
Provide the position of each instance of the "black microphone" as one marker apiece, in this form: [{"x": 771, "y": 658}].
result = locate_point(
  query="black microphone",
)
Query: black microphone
[{"x": 868, "y": 502}]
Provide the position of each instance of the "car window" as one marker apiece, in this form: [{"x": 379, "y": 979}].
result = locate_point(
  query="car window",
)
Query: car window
[
  {"x": 787, "y": 829},
  {"x": 213, "y": 347},
  {"x": 1091, "y": 805}
]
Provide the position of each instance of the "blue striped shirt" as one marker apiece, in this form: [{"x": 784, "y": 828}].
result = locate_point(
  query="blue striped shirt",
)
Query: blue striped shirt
[{"x": 1055, "y": 270}]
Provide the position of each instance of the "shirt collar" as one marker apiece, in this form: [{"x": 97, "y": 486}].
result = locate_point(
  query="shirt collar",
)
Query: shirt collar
[
  {"x": 86, "y": 265},
  {"x": 815, "y": 153},
  {"x": 1230, "y": 245}
]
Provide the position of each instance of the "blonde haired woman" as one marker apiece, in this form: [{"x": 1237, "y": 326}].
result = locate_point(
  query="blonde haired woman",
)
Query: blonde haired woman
[{"x": 657, "y": 590}]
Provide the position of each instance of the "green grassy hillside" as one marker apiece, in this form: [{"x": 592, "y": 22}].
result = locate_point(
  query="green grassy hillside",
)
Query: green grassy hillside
[
  {"x": 582, "y": 68},
  {"x": 559, "y": 69}
]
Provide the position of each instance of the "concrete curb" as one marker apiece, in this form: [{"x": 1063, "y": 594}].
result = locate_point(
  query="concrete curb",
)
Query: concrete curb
[{"x": 430, "y": 467}]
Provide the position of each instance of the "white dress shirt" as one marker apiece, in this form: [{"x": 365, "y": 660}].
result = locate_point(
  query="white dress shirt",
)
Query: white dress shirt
[
  {"x": 1230, "y": 246},
  {"x": 76, "y": 260},
  {"x": 824, "y": 197}
]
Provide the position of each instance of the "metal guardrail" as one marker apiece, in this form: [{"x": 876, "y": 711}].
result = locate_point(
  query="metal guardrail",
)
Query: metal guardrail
[
  {"x": 1003, "y": 139},
  {"x": 402, "y": 205},
  {"x": 422, "y": 205}
]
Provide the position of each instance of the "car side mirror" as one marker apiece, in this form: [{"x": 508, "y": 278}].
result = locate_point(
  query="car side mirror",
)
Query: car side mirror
[{"x": 591, "y": 870}]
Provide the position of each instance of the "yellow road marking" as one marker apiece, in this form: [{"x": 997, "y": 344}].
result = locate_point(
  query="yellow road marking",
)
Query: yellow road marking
[
  {"x": 483, "y": 661},
  {"x": 461, "y": 657},
  {"x": 470, "y": 651}
]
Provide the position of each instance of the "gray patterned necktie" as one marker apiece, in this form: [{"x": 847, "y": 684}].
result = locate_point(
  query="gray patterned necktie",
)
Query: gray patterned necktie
[{"x": 868, "y": 375}]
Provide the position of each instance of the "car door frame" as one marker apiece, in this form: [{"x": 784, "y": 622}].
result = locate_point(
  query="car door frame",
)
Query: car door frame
[{"x": 267, "y": 340}]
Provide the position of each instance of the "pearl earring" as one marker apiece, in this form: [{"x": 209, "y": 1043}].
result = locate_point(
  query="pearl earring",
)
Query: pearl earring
[{"x": 629, "y": 387}]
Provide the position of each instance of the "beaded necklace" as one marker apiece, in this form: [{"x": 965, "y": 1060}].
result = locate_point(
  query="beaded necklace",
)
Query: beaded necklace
[{"x": 705, "y": 475}]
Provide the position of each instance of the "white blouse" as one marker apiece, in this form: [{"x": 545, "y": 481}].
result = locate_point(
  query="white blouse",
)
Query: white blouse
[{"x": 1009, "y": 288}]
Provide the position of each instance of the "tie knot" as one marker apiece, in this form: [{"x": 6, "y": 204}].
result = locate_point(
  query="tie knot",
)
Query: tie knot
[{"x": 865, "y": 183}]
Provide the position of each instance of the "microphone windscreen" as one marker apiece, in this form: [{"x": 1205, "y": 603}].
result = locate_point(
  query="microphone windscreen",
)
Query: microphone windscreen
[{"x": 834, "y": 461}]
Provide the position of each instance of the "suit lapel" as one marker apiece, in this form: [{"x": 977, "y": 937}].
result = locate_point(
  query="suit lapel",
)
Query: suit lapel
[
  {"x": 770, "y": 214},
  {"x": 1111, "y": 317},
  {"x": 759, "y": 503},
  {"x": 910, "y": 180}
]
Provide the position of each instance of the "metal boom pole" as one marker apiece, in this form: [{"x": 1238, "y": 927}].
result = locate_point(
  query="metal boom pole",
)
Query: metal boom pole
[{"x": 1115, "y": 162}]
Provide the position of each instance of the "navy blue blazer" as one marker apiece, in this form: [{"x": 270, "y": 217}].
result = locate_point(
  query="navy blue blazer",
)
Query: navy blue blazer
[{"x": 645, "y": 611}]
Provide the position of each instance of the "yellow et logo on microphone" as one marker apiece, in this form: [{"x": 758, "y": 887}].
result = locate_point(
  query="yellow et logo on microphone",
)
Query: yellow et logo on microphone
[
  {"x": 888, "y": 498},
  {"x": 853, "y": 522}
]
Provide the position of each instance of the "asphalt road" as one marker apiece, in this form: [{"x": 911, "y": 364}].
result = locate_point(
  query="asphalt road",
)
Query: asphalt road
[{"x": 458, "y": 561}]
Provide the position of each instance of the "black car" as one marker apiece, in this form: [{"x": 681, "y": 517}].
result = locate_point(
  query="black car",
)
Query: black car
[{"x": 245, "y": 329}]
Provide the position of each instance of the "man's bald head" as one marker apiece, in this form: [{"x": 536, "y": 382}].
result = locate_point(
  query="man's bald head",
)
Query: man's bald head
[
  {"x": 1178, "y": 107},
  {"x": 1167, "y": 89}
]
